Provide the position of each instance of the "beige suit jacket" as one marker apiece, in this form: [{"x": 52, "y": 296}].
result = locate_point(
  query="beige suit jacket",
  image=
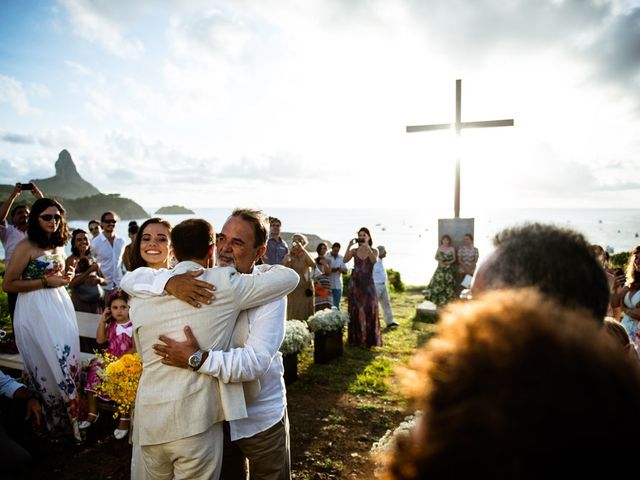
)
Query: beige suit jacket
[{"x": 174, "y": 403}]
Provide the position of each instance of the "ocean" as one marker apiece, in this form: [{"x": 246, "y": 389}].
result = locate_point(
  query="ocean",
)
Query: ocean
[{"x": 410, "y": 235}]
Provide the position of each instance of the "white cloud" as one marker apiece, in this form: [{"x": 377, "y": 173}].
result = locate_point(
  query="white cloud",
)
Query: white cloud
[
  {"x": 13, "y": 92},
  {"x": 105, "y": 23}
]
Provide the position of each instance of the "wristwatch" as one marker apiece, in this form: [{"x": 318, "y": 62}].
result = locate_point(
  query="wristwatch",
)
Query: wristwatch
[{"x": 195, "y": 360}]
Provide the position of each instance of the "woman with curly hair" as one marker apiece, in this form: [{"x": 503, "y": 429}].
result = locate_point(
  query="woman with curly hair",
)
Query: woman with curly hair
[
  {"x": 629, "y": 298},
  {"x": 45, "y": 322}
]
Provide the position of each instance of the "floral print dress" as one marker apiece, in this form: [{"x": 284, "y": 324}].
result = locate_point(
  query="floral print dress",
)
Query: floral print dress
[
  {"x": 364, "y": 328},
  {"x": 47, "y": 337},
  {"x": 442, "y": 287}
]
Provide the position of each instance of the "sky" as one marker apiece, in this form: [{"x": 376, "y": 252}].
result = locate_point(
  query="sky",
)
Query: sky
[{"x": 277, "y": 103}]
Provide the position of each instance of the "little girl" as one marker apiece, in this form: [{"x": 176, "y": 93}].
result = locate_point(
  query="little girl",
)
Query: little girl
[{"x": 115, "y": 328}]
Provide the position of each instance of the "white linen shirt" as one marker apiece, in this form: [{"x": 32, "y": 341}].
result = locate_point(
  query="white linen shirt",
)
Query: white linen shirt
[
  {"x": 10, "y": 237},
  {"x": 379, "y": 273},
  {"x": 110, "y": 258},
  {"x": 259, "y": 359},
  {"x": 335, "y": 278}
]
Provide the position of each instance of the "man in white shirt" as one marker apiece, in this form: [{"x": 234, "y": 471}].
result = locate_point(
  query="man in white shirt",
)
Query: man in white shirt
[
  {"x": 338, "y": 267},
  {"x": 178, "y": 413},
  {"x": 107, "y": 249},
  {"x": 262, "y": 437},
  {"x": 380, "y": 281},
  {"x": 11, "y": 235}
]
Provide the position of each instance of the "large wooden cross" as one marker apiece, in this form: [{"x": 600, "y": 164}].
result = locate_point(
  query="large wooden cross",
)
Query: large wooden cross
[{"x": 459, "y": 125}]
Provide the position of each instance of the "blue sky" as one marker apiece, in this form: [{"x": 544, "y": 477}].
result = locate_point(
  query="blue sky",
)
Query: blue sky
[{"x": 278, "y": 103}]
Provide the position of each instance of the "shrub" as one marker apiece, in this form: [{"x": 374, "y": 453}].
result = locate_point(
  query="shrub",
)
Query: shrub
[
  {"x": 395, "y": 280},
  {"x": 619, "y": 260},
  {"x": 296, "y": 337},
  {"x": 328, "y": 320}
]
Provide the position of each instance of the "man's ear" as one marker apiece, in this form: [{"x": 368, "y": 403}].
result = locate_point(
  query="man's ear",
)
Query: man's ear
[
  {"x": 261, "y": 251},
  {"x": 212, "y": 258}
]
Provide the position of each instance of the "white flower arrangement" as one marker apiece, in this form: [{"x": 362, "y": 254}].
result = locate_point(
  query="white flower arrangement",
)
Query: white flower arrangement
[
  {"x": 328, "y": 320},
  {"x": 296, "y": 337},
  {"x": 384, "y": 445}
]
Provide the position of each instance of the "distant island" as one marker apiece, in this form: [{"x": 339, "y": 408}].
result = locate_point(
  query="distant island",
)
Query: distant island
[
  {"x": 174, "y": 210},
  {"x": 81, "y": 200}
]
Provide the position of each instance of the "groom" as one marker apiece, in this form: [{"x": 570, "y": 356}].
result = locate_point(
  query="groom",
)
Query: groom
[{"x": 178, "y": 415}]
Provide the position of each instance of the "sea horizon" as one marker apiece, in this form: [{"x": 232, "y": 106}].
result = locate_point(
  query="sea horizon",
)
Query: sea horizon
[{"x": 410, "y": 234}]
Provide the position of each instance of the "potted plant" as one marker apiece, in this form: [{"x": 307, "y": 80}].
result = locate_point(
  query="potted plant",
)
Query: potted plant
[
  {"x": 296, "y": 338},
  {"x": 327, "y": 326}
]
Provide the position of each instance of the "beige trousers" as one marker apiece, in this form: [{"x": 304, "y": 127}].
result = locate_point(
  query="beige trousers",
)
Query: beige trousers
[{"x": 198, "y": 457}]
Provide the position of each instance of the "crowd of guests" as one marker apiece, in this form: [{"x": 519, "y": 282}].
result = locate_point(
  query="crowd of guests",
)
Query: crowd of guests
[
  {"x": 47, "y": 289},
  {"x": 525, "y": 379},
  {"x": 321, "y": 282}
]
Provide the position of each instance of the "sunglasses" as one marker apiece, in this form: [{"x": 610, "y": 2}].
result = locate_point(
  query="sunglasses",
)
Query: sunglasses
[
  {"x": 48, "y": 217},
  {"x": 110, "y": 221}
]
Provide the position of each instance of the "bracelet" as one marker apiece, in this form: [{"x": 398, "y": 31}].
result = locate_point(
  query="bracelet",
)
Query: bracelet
[{"x": 44, "y": 282}]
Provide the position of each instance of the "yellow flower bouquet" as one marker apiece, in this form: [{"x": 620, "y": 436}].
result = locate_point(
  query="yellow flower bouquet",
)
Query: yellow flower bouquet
[{"x": 120, "y": 378}]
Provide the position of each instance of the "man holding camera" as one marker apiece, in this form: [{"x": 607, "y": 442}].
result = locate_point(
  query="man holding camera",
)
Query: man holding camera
[{"x": 11, "y": 235}]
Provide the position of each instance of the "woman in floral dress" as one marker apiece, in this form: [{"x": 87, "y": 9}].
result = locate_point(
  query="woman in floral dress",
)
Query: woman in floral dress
[
  {"x": 45, "y": 322},
  {"x": 442, "y": 287},
  {"x": 364, "y": 328}
]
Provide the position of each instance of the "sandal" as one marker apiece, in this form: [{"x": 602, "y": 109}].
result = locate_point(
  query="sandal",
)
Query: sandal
[
  {"x": 120, "y": 433},
  {"x": 87, "y": 423}
]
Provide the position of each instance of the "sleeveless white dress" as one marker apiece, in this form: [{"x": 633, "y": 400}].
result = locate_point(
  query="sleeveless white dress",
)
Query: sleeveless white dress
[{"x": 47, "y": 337}]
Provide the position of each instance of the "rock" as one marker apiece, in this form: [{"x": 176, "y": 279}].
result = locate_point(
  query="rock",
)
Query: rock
[
  {"x": 81, "y": 200},
  {"x": 93, "y": 207},
  {"x": 67, "y": 182},
  {"x": 174, "y": 210},
  {"x": 314, "y": 240},
  {"x": 427, "y": 312}
]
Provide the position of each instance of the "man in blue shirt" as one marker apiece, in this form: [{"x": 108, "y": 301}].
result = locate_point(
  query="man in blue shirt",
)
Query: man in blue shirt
[
  {"x": 276, "y": 247},
  {"x": 13, "y": 457}
]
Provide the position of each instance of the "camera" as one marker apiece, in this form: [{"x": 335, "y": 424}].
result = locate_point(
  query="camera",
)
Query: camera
[
  {"x": 26, "y": 186},
  {"x": 360, "y": 240}
]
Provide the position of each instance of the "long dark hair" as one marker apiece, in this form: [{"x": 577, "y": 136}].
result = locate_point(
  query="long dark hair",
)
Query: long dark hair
[
  {"x": 74, "y": 250},
  {"x": 136, "y": 258},
  {"x": 37, "y": 235},
  {"x": 366, "y": 230}
]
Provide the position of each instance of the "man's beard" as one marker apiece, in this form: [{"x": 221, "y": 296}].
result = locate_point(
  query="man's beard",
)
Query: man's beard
[{"x": 225, "y": 261}]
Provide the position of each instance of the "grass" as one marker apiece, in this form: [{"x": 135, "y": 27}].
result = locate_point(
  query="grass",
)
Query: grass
[
  {"x": 369, "y": 372},
  {"x": 356, "y": 398}
]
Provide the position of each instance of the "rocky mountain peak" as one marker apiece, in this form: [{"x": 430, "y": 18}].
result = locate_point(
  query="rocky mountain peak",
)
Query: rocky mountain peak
[{"x": 67, "y": 182}]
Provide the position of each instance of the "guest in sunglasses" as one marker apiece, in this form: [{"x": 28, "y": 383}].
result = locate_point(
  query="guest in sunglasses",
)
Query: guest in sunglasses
[
  {"x": 45, "y": 323},
  {"x": 107, "y": 249}
]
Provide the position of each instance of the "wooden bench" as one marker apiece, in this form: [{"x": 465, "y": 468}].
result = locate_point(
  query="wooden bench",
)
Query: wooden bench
[{"x": 87, "y": 326}]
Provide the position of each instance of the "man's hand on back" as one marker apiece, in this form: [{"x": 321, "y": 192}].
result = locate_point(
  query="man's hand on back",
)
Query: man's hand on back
[
  {"x": 188, "y": 288},
  {"x": 176, "y": 353}
]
